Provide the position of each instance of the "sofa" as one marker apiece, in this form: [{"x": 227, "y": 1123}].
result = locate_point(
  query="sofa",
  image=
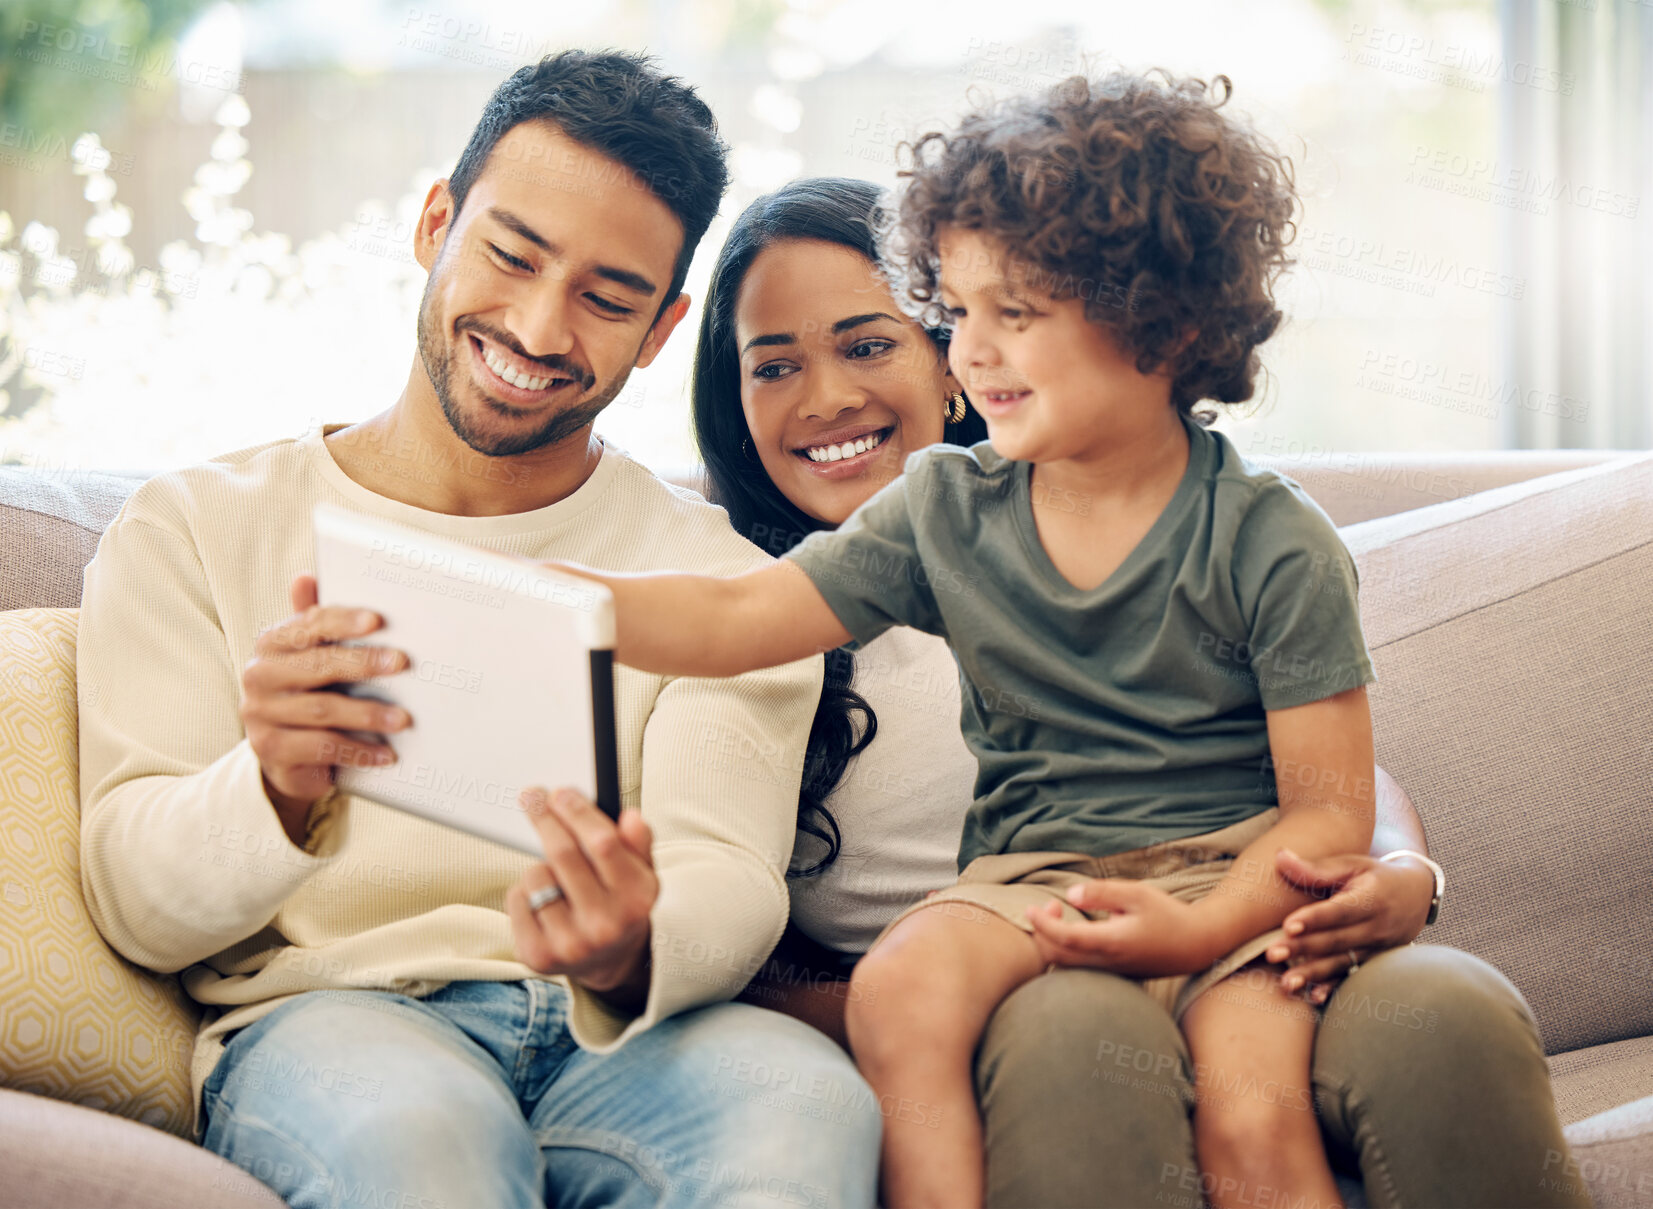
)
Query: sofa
[{"x": 1507, "y": 600}]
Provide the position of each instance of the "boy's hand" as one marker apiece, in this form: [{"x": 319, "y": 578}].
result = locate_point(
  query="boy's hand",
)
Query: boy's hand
[{"x": 1146, "y": 934}]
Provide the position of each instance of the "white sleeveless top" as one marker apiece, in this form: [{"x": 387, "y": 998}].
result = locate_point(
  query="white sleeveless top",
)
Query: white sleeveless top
[{"x": 900, "y": 807}]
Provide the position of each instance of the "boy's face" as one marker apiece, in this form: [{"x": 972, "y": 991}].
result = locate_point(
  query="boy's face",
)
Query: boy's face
[
  {"x": 543, "y": 290},
  {"x": 1051, "y": 384}
]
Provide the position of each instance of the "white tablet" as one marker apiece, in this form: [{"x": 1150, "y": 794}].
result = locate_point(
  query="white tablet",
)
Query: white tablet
[{"x": 509, "y": 679}]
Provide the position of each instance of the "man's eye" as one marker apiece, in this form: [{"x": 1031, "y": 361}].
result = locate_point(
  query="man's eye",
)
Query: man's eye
[
  {"x": 516, "y": 262},
  {"x": 603, "y": 304},
  {"x": 863, "y": 350}
]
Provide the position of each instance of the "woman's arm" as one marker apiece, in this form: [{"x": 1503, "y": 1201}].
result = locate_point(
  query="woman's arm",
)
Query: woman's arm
[
  {"x": 1373, "y": 905},
  {"x": 704, "y": 625}
]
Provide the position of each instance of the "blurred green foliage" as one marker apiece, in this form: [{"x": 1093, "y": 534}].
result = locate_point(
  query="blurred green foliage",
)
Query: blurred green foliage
[{"x": 69, "y": 65}]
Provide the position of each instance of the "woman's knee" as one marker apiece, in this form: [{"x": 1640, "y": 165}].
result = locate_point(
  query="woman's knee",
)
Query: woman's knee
[
  {"x": 1421, "y": 1000},
  {"x": 1084, "y": 1088},
  {"x": 1084, "y": 1027}
]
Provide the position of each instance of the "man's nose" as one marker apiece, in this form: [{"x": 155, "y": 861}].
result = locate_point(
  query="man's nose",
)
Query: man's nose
[{"x": 541, "y": 322}]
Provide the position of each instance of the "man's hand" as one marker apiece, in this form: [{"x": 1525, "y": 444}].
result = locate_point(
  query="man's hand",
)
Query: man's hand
[
  {"x": 294, "y": 725},
  {"x": 1147, "y": 933},
  {"x": 597, "y": 932},
  {"x": 1372, "y": 906}
]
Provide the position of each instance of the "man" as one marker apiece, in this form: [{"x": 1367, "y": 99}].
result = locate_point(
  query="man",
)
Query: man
[{"x": 389, "y": 1021}]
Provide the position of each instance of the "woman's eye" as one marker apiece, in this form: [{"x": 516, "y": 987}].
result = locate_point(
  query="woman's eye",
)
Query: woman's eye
[
  {"x": 773, "y": 371},
  {"x": 516, "y": 262},
  {"x": 863, "y": 350}
]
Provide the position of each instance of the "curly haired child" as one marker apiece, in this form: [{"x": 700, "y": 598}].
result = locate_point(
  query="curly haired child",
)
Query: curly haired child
[{"x": 1147, "y": 627}]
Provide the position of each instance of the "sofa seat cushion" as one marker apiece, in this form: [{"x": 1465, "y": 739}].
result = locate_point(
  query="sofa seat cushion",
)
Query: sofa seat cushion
[
  {"x": 1612, "y": 1153},
  {"x": 50, "y": 524},
  {"x": 1601, "y": 1077},
  {"x": 58, "y": 1156},
  {"x": 1510, "y": 634},
  {"x": 77, "y": 1021}
]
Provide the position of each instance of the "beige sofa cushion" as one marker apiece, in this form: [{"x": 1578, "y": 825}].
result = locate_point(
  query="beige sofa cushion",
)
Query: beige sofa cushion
[
  {"x": 58, "y": 1156},
  {"x": 49, "y": 528},
  {"x": 76, "y": 1020},
  {"x": 1514, "y": 651}
]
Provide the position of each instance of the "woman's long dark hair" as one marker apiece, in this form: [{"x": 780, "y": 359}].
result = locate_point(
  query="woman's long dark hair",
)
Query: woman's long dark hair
[{"x": 836, "y": 210}]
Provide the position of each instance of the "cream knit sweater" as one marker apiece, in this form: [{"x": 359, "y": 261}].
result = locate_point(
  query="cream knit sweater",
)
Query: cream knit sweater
[{"x": 185, "y": 865}]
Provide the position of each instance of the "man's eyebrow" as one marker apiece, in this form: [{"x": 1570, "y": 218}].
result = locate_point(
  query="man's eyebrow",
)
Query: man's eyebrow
[
  {"x": 843, "y": 325},
  {"x": 626, "y": 279},
  {"x": 620, "y": 277},
  {"x": 512, "y": 223}
]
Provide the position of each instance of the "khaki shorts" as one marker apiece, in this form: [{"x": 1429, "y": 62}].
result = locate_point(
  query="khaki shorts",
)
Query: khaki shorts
[{"x": 1008, "y": 883}]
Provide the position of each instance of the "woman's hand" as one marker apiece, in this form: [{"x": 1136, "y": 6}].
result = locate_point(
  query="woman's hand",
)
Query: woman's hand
[{"x": 1372, "y": 905}]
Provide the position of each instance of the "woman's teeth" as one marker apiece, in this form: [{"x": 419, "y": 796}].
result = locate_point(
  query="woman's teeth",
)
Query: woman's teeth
[
  {"x": 837, "y": 453},
  {"x": 503, "y": 368}
]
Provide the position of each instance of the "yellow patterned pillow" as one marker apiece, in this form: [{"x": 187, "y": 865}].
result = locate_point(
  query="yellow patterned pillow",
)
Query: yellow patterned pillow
[{"x": 77, "y": 1021}]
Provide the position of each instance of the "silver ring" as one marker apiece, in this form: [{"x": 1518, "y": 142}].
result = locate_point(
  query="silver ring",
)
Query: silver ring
[
  {"x": 544, "y": 897},
  {"x": 1354, "y": 962}
]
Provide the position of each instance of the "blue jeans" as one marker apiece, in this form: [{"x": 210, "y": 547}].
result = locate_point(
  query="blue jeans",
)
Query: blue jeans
[{"x": 477, "y": 1096}]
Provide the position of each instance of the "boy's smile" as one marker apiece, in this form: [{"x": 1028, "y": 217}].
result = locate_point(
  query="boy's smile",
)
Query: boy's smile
[{"x": 1052, "y": 384}]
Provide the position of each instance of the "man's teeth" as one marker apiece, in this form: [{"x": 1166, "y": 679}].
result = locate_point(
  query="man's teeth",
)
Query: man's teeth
[
  {"x": 837, "y": 453},
  {"x": 503, "y": 368}
]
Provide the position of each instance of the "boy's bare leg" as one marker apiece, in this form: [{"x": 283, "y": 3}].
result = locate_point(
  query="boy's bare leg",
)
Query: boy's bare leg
[
  {"x": 918, "y": 1004},
  {"x": 1255, "y": 1127}
]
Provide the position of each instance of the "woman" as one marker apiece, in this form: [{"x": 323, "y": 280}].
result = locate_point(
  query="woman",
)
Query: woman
[{"x": 810, "y": 389}]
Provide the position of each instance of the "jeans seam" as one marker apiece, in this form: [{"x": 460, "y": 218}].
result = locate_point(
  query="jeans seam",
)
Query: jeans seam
[
  {"x": 526, "y": 1049},
  {"x": 247, "y": 1120},
  {"x": 551, "y": 1138}
]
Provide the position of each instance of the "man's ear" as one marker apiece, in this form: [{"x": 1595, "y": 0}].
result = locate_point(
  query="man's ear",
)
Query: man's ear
[
  {"x": 435, "y": 221},
  {"x": 663, "y": 326}
]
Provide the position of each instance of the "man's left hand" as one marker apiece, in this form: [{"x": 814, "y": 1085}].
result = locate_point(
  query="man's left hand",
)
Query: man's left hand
[{"x": 597, "y": 931}]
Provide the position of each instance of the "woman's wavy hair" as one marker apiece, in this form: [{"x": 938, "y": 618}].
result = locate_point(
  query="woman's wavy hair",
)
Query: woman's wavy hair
[
  {"x": 836, "y": 210},
  {"x": 1135, "y": 193}
]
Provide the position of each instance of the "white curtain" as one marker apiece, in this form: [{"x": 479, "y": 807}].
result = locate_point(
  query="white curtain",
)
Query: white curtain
[{"x": 1574, "y": 185}]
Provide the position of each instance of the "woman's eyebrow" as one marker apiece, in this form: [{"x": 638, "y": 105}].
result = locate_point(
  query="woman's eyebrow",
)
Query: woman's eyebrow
[
  {"x": 772, "y": 338},
  {"x": 843, "y": 325}
]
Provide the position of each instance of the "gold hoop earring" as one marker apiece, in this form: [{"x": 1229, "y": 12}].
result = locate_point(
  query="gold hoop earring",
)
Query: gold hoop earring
[{"x": 953, "y": 408}]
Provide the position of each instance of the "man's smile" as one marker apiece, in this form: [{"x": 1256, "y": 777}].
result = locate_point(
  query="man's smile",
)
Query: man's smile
[{"x": 503, "y": 373}]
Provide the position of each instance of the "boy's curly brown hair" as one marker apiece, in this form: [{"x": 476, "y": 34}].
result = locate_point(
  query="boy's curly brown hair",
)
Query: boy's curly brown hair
[{"x": 1132, "y": 192}]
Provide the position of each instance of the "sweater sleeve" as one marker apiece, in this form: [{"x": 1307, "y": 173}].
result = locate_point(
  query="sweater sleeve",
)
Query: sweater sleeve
[
  {"x": 722, "y": 764},
  {"x": 177, "y": 833}
]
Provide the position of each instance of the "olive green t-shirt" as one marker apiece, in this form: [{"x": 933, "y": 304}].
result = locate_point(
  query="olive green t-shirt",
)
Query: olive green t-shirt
[{"x": 1129, "y": 714}]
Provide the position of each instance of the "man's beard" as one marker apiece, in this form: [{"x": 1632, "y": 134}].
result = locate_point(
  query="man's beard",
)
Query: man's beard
[{"x": 438, "y": 359}]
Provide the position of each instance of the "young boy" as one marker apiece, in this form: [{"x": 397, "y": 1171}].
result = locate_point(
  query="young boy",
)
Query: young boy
[{"x": 1147, "y": 627}]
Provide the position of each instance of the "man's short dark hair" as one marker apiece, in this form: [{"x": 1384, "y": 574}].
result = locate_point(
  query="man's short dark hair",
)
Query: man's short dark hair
[{"x": 619, "y": 105}]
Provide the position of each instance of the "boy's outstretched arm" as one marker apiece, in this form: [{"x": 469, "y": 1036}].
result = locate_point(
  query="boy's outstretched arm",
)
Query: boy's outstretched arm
[{"x": 705, "y": 625}]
